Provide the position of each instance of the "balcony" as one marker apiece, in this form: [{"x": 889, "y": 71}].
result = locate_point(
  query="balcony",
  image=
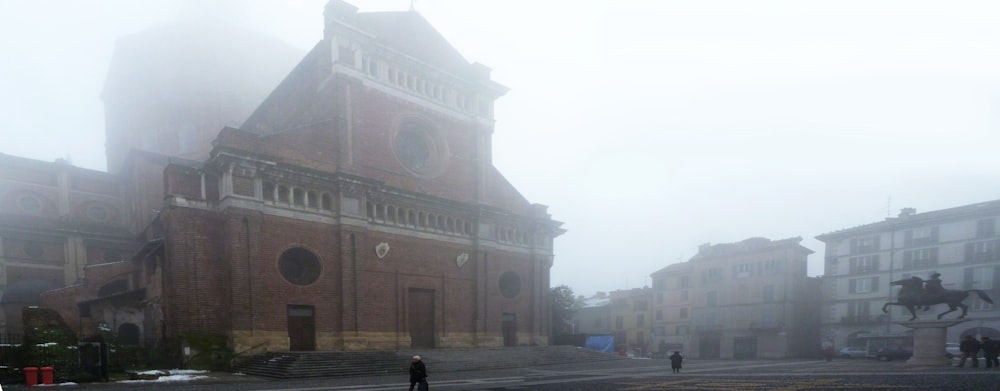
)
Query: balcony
[
  {"x": 863, "y": 319},
  {"x": 708, "y": 328}
]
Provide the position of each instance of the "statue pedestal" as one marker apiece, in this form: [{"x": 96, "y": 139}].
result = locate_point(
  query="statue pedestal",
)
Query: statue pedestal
[{"x": 929, "y": 337}]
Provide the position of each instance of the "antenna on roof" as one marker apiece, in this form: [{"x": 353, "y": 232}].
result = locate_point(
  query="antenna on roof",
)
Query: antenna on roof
[
  {"x": 411, "y": 5},
  {"x": 888, "y": 207}
]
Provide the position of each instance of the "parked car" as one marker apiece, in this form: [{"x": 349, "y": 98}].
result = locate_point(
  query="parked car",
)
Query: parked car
[
  {"x": 853, "y": 352},
  {"x": 894, "y": 353},
  {"x": 951, "y": 350}
]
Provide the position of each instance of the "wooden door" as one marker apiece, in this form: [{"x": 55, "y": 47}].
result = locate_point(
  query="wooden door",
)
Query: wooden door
[
  {"x": 301, "y": 328},
  {"x": 420, "y": 313},
  {"x": 709, "y": 347},
  {"x": 745, "y": 347},
  {"x": 509, "y": 329}
]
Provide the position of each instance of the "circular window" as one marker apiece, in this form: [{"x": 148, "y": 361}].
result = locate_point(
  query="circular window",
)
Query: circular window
[
  {"x": 418, "y": 148},
  {"x": 30, "y": 204},
  {"x": 510, "y": 284},
  {"x": 97, "y": 213},
  {"x": 299, "y": 266},
  {"x": 413, "y": 149},
  {"x": 34, "y": 249}
]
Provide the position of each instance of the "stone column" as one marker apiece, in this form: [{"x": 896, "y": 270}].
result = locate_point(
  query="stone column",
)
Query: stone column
[{"x": 929, "y": 337}]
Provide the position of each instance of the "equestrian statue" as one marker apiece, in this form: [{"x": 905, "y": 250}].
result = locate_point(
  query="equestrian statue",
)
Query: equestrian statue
[{"x": 915, "y": 292}]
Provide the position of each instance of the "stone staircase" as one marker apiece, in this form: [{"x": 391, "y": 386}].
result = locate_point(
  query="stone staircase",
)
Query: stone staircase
[
  {"x": 295, "y": 365},
  {"x": 375, "y": 363}
]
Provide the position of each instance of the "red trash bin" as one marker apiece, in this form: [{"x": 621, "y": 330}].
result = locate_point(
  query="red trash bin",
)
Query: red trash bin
[
  {"x": 30, "y": 376},
  {"x": 47, "y": 375}
]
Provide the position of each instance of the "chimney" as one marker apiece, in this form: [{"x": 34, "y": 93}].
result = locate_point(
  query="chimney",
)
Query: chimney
[{"x": 907, "y": 212}]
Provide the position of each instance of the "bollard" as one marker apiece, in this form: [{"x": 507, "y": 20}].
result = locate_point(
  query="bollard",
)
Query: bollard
[
  {"x": 47, "y": 375},
  {"x": 30, "y": 376}
]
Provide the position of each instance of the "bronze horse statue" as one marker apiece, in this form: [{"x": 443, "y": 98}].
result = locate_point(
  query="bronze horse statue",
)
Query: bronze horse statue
[{"x": 912, "y": 295}]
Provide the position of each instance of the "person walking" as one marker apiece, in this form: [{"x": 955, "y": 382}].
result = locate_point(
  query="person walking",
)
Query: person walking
[
  {"x": 418, "y": 374},
  {"x": 970, "y": 349},
  {"x": 675, "y": 361},
  {"x": 991, "y": 349}
]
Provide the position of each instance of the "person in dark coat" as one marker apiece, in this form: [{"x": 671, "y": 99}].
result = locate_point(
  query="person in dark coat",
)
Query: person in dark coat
[
  {"x": 675, "y": 361},
  {"x": 991, "y": 349},
  {"x": 418, "y": 374},
  {"x": 970, "y": 349}
]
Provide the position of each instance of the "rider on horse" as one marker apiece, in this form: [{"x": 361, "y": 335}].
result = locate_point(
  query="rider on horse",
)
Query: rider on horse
[{"x": 932, "y": 289}]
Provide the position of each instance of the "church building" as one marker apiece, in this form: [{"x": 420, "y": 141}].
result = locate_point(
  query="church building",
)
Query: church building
[{"x": 356, "y": 208}]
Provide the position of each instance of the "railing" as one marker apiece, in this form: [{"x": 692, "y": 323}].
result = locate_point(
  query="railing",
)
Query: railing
[
  {"x": 767, "y": 326},
  {"x": 707, "y": 328}
]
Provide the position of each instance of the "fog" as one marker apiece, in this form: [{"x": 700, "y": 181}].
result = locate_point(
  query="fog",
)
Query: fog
[{"x": 648, "y": 127}]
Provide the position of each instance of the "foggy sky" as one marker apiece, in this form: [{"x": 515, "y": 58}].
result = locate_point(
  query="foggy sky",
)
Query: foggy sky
[{"x": 648, "y": 127}]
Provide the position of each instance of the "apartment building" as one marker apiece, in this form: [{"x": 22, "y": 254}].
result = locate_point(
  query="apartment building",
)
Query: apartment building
[
  {"x": 749, "y": 299},
  {"x": 960, "y": 243}
]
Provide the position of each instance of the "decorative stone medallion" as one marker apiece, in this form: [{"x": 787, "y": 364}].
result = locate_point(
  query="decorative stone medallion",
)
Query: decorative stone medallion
[
  {"x": 462, "y": 259},
  {"x": 381, "y": 250}
]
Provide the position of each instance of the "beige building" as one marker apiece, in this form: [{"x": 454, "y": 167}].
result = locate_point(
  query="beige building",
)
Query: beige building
[
  {"x": 749, "y": 299},
  {"x": 961, "y": 243},
  {"x": 625, "y": 314}
]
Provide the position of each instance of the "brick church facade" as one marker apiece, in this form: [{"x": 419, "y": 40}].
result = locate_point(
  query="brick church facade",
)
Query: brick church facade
[{"x": 356, "y": 208}]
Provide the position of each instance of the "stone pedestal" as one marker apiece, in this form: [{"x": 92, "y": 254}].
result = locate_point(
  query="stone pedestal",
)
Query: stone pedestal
[{"x": 929, "y": 337}]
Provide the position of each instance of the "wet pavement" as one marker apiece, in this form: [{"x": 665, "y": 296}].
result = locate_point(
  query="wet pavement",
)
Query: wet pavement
[{"x": 787, "y": 375}]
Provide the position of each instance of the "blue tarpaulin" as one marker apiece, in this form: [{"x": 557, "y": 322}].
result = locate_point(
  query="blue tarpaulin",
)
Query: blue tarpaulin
[{"x": 601, "y": 343}]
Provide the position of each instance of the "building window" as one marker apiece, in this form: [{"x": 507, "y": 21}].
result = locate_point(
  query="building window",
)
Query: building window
[
  {"x": 711, "y": 298},
  {"x": 683, "y": 313},
  {"x": 918, "y": 259},
  {"x": 986, "y": 228},
  {"x": 30, "y": 204},
  {"x": 282, "y": 193},
  {"x": 98, "y": 213},
  {"x": 864, "y": 285},
  {"x": 327, "y": 202},
  {"x": 658, "y": 284},
  {"x": 865, "y": 264},
  {"x": 619, "y": 322},
  {"x": 979, "y": 305},
  {"x": 640, "y": 305},
  {"x": 982, "y": 251},
  {"x": 659, "y": 297},
  {"x": 510, "y": 284},
  {"x": 299, "y": 266},
  {"x": 767, "y": 315},
  {"x": 597, "y": 323},
  {"x": 681, "y": 330},
  {"x": 268, "y": 191},
  {"x": 859, "y": 309},
  {"x": 771, "y": 266},
  {"x": 711, "y": 276},
  {"x": 659, "y": 315},
  {"x": 684, "y": 296},
  {"x": 743, "y": 270},
  {"x": 920, "y": 237},
  {"x": 980, "y": 277},
  {"x": 768, "y": 293},
  {"x": 685, "y": 282},
  {"x": 640, "y": 320},
  {"x": 34, "y": 249},
  {"x": 864, "y": 245}
]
